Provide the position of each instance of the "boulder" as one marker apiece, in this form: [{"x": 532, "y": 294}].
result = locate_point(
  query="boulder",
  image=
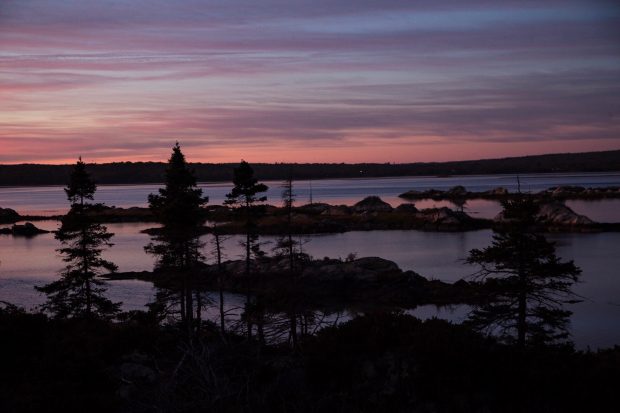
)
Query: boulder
[
  {"x": 440, "y": 216},
  {"x": 499, "y": 191},
  {"x": 114, "y": 214},
  {"x": 367, "y": 269},
  {"x": 372, "y": 204},
  {"x": 409, "y": 208},
  {"x": 412, "y": 194},
  {"x": 559, "y": 214},
  {"x": 555, "y": 214},
  {"x": 316, "y": 208},
  {"x": 337, "y": 210},
  {"x": 8, "y": 215}
]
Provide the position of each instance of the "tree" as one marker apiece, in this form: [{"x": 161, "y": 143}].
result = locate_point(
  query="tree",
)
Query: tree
[
  {"x": 179, "y": 207},
  {"x": 528, "y": 281},
  {"x": 286, "y": 245},
  {"x": 79, "y": 292},
  {"x": 244, "y": 197},
  {"x": 218, "y": 240}
]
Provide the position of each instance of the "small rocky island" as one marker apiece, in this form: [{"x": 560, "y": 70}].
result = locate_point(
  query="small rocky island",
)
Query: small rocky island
[
  {"x": 323, "y": 282},
  {"x": 554, "y": 193},
  {"x": 23, "y": 230},
  {"x": 8, "y": 216},
  {"x": 371, "y": 213}
]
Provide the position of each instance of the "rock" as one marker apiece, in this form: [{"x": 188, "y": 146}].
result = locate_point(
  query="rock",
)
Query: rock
[
  {"x": 559, "y": 214},
  {"x": 441, "y": 216},
  {"x": 371, "y": 269},
  {"x": 367, "y": 269},
  {"x": 8, "y": 215},
  {"x": 114, "y": 214},
  {"x": 555, "y": 214},
  {"x": 137, "y": 372},
  {"x": 316, "y": 208},
  {"x": 499, "y": 191},
  {"x": 134, "y": 373},
  {"x": 412, "y": 194},
  {"x": 372, "y": 204},
  {"x": 338, "y": 210},
  {"x": 410, "y": 208},
  {"x": 26, "y": 230}
]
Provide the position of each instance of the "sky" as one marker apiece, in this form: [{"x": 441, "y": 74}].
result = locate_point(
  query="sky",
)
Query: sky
[{"x": 308, "y": 80}]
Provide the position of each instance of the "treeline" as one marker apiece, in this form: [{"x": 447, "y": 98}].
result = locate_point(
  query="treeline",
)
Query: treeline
[{"x": 153, "y": 172}]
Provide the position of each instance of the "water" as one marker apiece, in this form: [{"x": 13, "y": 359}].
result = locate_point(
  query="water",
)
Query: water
[
  {"x": 50, "y": 200},
  {"x": 439, "y": 255},
  {"x": 27, "y": 262}
]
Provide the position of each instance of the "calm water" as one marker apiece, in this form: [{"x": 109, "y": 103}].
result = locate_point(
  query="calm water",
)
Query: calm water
[
  {"x": 25, "y": 263},
  {"x": 30, "y": 262},
  {"x": 50, "y": 200}
]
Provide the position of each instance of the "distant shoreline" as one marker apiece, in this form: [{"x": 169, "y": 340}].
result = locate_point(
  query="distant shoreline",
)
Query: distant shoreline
[
  {"x": 132, "y": 173},
  {"x": 200, "y": 183}
]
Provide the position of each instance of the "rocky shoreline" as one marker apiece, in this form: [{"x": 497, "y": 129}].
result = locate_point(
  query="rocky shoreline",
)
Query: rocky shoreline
[
  {"x": 322, "y": 283},
  {"x": 369, "y": 214},
  {"x": 26, "y": 230},
  {"x": 557, "y": 193}
]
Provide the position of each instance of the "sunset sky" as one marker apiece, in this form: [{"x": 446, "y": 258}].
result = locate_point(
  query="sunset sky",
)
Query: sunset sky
[{"x": 307, "y": 81}]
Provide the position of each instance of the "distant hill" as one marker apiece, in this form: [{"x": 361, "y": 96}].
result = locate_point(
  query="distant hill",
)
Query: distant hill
[{"x": 152, "y": 172}]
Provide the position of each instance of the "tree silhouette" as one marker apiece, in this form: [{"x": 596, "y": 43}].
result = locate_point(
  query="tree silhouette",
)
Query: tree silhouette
[
  {"x": 218, "y": 250},
  {"x": 177, "y": 246},
  {"x": 529, "y": 282},
  {"x": 244, "y": 197},
  {"x": 79, "y": 292},
  {"x": 286, "y": 245}
]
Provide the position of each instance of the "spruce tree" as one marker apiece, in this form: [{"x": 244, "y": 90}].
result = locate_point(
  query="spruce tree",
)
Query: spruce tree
[
  {"x": 530, "y": 284},
  {"x": 179, "y": 207},
  {"x": 245, "y": 198},
  {"x": 79, "y": 292},
  {"x": 286, "y": 245}
]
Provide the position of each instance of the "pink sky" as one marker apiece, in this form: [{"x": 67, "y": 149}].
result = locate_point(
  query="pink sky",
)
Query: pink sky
[{"x": 307, "y": 81}]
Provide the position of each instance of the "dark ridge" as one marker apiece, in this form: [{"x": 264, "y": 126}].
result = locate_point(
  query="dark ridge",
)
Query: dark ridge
[{"x": 152, "y": 172}]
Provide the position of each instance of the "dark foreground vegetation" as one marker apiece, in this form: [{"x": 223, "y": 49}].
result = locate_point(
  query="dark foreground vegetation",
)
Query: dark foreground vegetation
[
  {"x": 153, "y": 172},
  {"x": 307, "y": 335},
  {"x": 375, "y": 363}
]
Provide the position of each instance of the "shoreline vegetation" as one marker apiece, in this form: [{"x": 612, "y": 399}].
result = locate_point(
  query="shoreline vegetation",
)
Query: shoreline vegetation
[
  {"x": 153, "y": 172},
  {"x": 279, "y": 350},
  {"x": 371, "y": 213}
]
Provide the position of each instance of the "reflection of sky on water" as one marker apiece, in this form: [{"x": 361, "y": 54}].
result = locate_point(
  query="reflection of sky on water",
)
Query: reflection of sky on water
[
  {"x": 26, "y": 262},
  {"x": 51, "y": 199}
]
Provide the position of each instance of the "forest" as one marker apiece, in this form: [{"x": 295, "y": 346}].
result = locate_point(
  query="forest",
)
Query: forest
[{"x": 154, "y": 172}]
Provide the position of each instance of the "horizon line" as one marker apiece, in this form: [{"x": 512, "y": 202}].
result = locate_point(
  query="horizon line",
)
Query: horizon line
[{"x": 321, "y": 163}]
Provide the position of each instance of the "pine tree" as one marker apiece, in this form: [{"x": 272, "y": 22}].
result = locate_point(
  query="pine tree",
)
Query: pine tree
[
  {"x": 79, "y": 292},
  {"x": 244, "y": 197},
  {"x": 179, "y": 207},
  {"x": 530, "y": 283},
  {"x": 286, "y": 245},
  {"x": 218, "y": 240}
]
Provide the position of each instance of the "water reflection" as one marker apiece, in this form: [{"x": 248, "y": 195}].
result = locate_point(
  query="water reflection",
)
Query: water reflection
[
  {"x": 607, "y": 210},
  {"x": 51, "y": 200},
  {"x": 26, "y": 262}
]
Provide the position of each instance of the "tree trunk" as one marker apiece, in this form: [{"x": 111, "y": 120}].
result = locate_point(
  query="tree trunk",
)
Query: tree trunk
[
  {"x": 220, "y": 281},
  {"x": 293, "y": 321},
  {"x": 522, "y": 319}
]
